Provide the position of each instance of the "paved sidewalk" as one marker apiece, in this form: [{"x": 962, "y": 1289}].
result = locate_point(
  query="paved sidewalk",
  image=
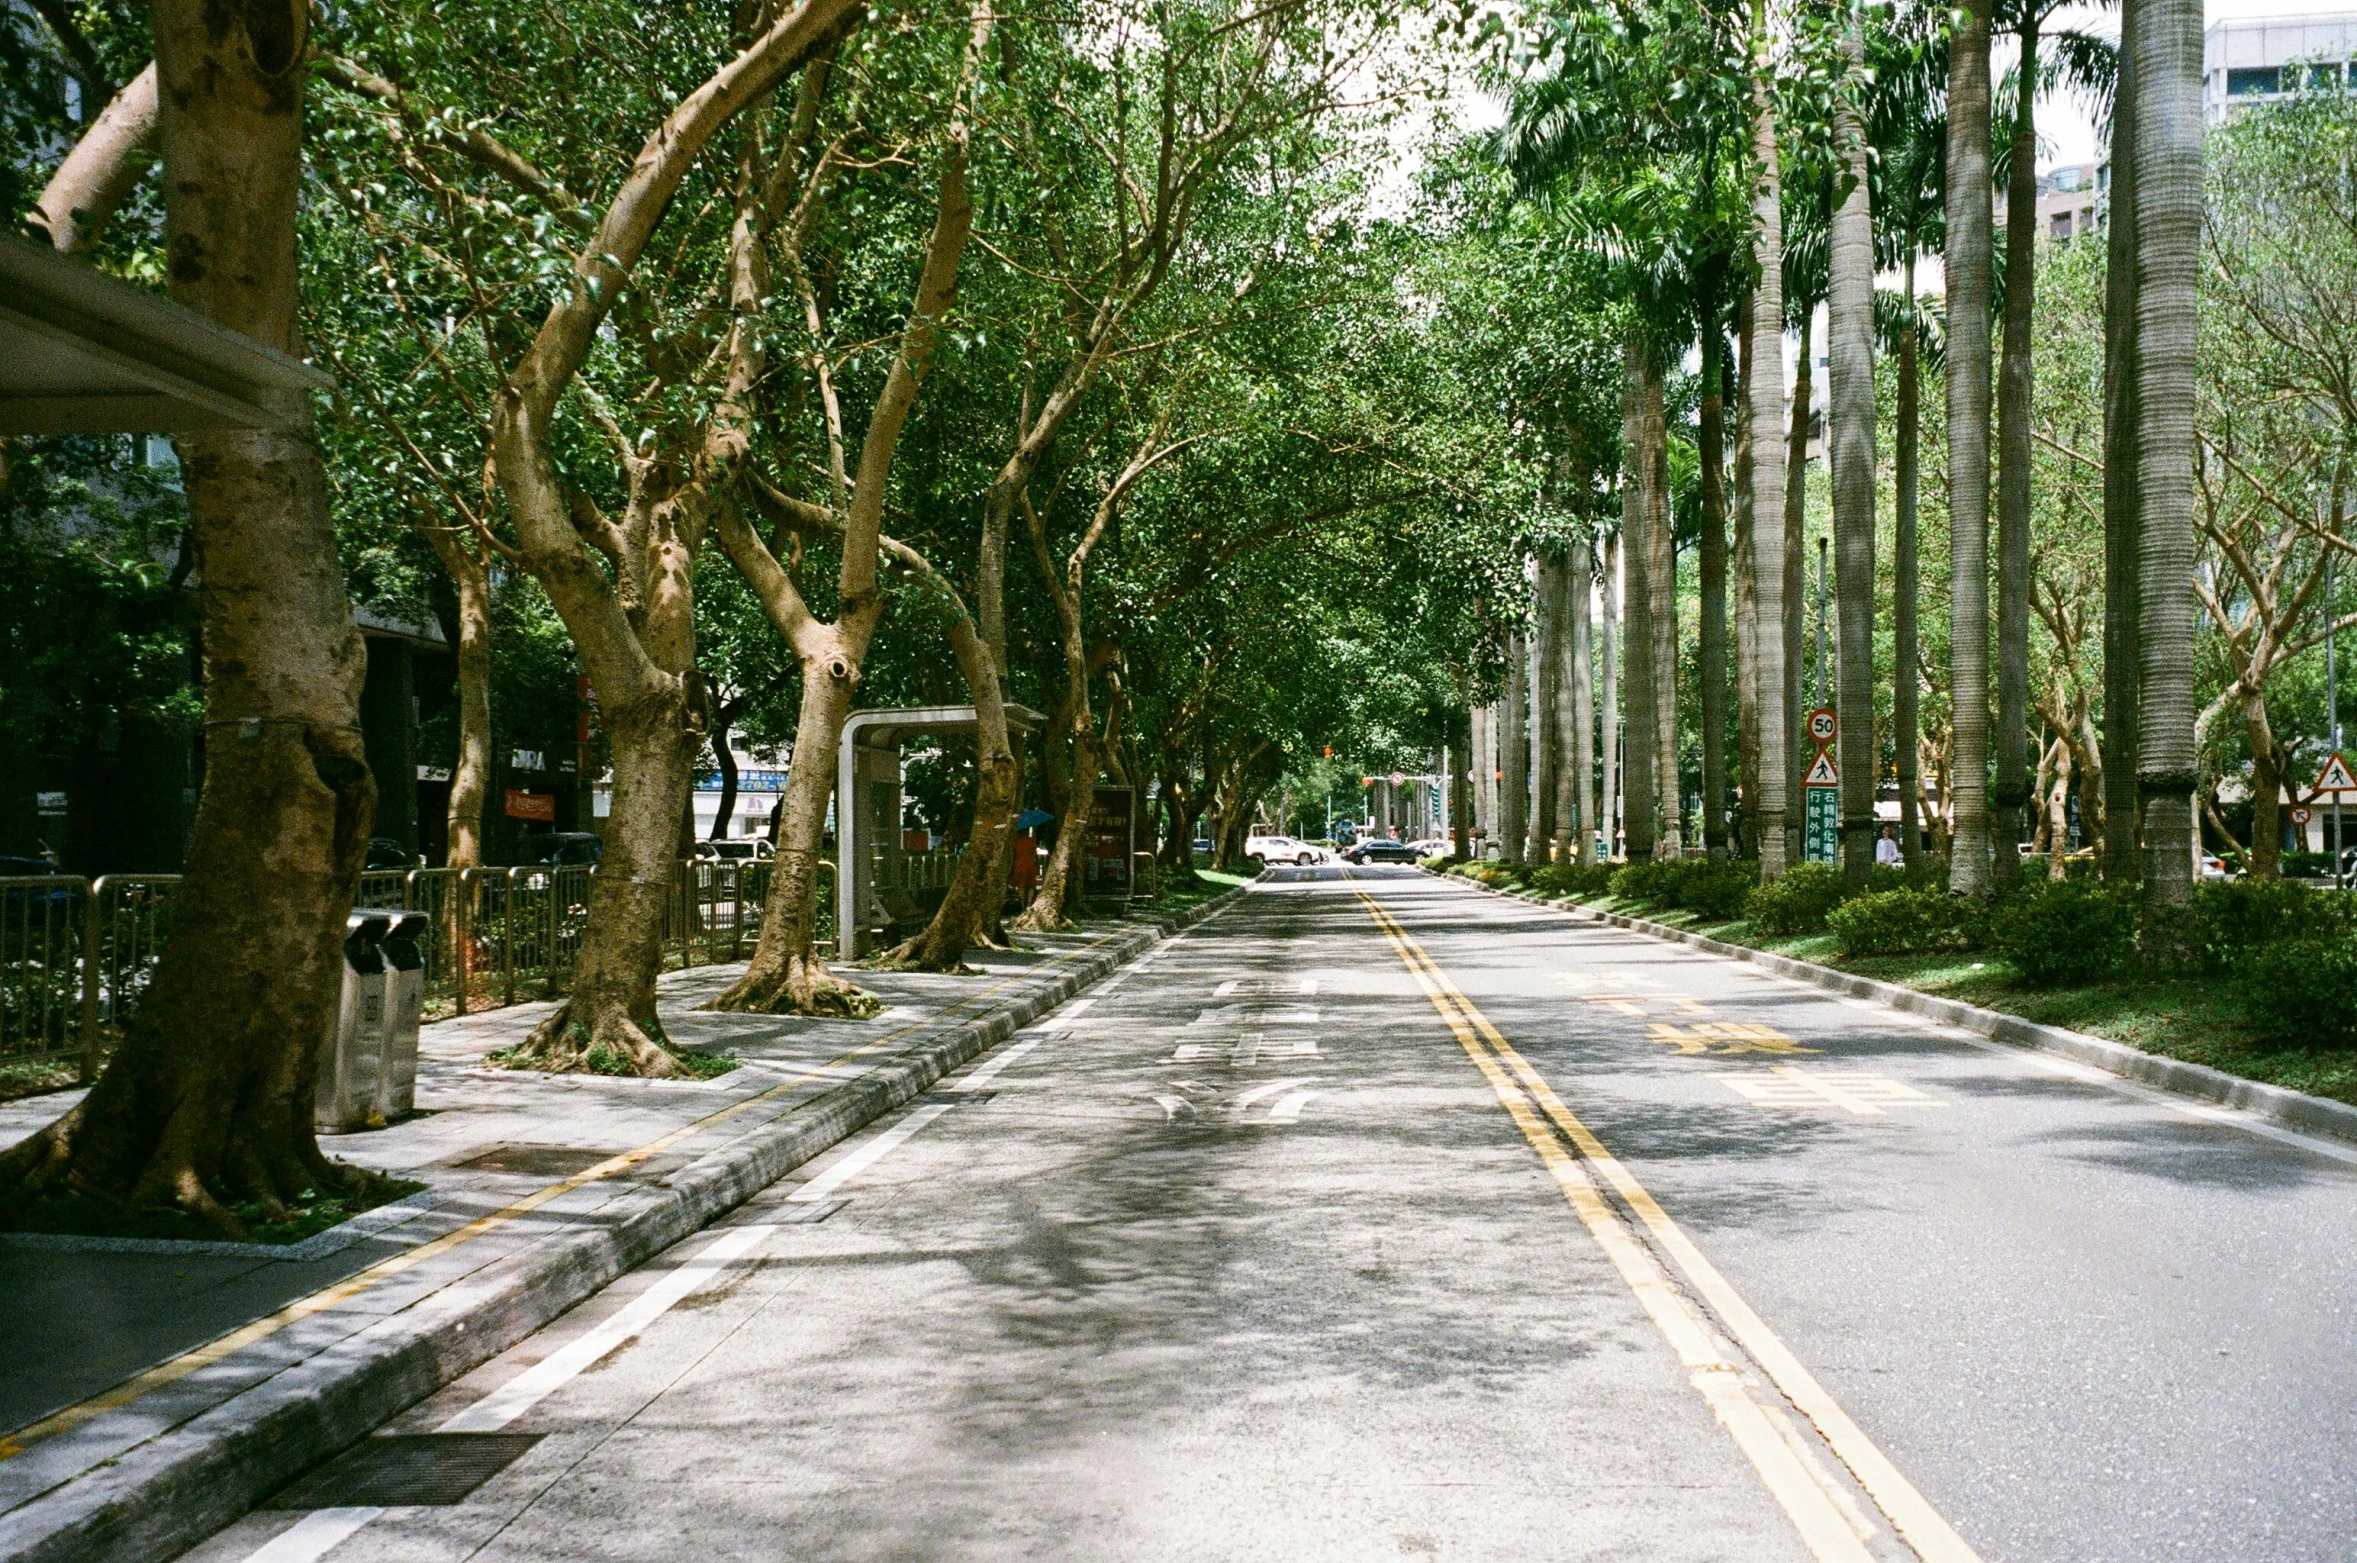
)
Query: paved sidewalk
[{"x": 540, "y": 1189}]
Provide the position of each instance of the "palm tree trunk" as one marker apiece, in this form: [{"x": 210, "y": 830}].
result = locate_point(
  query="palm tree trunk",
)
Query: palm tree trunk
[
  {"x": 1849, "y": 332},
  {"x": 2010, "y": 794},
  {"x": 1765, "y": 394},
  {"x": 2168, "y": 130},
  {"x": 1906, "y": 731},
  {"x": 1796, "y": 517},
  {"x": 1609, "y": 804},
  {"x": 1514, "y": 757},
  {"x": 1546, "y": 687},
  {"x": 1747, "y": 598},
  {"x": 1583, "y": 815},
  {"x": 1711, "y": 440},
  {"x": 1636, "y": 525},
  {"x": 1662, "y": 582},
  {"x": 1968, "y": 441},
  {"x": 2122, "y": 638}
]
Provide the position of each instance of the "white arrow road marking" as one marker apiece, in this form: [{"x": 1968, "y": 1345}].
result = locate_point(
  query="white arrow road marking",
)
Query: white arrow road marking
[
  {"x": 1189, "y": 1052},
  {"x": 1305, "y": 1045},
  {"x": 1289, "y": 1110},
  {"x": 1247, "y": 1098},
  {"x": 867, "y": 1155},
  {"x": 1224, "y": 989},
  {"x": 1247, "y": 1051},
  {"x": 1172, "y": 1106}
]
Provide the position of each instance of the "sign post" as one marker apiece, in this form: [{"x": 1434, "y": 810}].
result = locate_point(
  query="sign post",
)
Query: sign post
[{"x": 1821, "y": 792}]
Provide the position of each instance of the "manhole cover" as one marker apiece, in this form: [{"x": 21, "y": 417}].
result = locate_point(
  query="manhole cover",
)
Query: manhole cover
[
  {"x": 393, "y": 1472},
  {"x": 537, "y": 1161}
]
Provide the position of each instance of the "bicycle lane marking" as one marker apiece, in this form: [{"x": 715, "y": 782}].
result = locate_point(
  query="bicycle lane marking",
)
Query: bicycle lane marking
[{"x": 1911, "y": 1514}]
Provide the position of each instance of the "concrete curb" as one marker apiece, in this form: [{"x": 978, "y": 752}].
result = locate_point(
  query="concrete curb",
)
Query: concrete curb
[
  {"x": 2278, "y": 1105},
  {"x": 167, "y": 1494}
]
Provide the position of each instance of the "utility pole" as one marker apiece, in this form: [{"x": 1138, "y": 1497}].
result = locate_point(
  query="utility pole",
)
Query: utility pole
[
  {"x": 1823, "y": 697},
  {"x": 2332, "y": 698}
]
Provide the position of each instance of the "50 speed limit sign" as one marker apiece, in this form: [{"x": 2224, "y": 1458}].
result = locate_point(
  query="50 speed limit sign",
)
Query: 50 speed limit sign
[{"x": 1823, "y": 725}]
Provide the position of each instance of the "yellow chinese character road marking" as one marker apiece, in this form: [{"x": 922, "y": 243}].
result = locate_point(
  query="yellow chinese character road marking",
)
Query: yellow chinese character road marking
[
  {"x": 1725, "y": 1037},
  {"x": 1863, "y": 1095}
]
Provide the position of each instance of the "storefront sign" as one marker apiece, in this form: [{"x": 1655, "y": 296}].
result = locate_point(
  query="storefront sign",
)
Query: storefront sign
[{"x": 531, "y": 805}]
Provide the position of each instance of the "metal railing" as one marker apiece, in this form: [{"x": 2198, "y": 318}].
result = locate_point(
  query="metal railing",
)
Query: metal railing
[{"x": 76, "y": 954}]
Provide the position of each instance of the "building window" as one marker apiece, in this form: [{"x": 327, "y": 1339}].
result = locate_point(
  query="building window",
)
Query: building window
[
  {"x": 2252, "y": 80},
  {"x": 2062, "y": 226},
  {"x": 2324, "y": 78}
]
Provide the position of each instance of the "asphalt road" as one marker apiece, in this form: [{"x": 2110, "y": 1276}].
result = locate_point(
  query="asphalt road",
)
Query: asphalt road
[{"x": 1379, "y": 1217}]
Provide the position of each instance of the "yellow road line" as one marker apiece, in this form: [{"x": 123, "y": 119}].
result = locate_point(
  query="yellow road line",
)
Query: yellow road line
[
  {"x": 180, "y": 1367},
  {"x": 1913, "y": 1515}
]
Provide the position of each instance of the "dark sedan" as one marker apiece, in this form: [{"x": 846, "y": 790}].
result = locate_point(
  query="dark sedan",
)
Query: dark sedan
[{"x": 1380, "y": 850}]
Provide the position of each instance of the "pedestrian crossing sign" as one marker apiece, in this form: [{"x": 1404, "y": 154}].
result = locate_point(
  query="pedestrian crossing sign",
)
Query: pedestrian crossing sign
[
  {"x": 2335, "y": 777},
  {"x": 1822, "y": 774}
]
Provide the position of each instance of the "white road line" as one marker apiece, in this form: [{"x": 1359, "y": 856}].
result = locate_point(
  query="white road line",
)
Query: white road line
[
  {"x": 1247, "y": 1098},
  {"x": 536, "y": 1383},
  {"x": 310, "y": 1537},
  {"x": 1075, "y": 1008},
  {"x": 1289, "y": 1110},
  {"x": 1309, "y": 985},
  {"x": 1172, "y": 1106},
  {"x": 989, "y": 1071},
  {"x": 1224, "y": 989},
  {"x": 867, "y": 1155},
  {"x": 1305, "y": 1046}
]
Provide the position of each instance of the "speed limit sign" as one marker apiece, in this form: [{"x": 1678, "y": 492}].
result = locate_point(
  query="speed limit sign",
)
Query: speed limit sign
[{"x": 1823, "y": 725}]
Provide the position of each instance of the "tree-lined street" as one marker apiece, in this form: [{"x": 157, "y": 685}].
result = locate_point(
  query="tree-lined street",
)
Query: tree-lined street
[{"x": 1379, "y": 1216}]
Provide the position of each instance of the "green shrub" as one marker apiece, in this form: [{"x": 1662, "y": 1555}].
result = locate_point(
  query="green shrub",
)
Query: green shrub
[
  {"x": 2236, "y": 918},
  {"x": 1918, "y": 920},
  {"x": 2073, "y": 930},
  {"x": 1799, "y": 902},
  {"x": 1572, "y": 879},
  {"x": 2303, "y": 992},
  {"x": 1715, "y": 892}
]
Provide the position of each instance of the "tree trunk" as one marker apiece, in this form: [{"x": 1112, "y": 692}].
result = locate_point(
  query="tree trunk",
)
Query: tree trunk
[
  {"x": 1514, "y": 754},
  {"x": 1546, "y": 729},
  {"x": 1711, "y": 439},
  {"x": 1609, "y": 805},
  {"x": 1765, "y": 393},
  {"x": 2010, "y": 791},
  {"x": 2122, "y": 642},
  {"x": 1968, "y": 443},
  {"x": 1795, "y": 559},
  {"x": 1849, "y": 331},
  {"x": 2266, "y": 789},
  {"x": 1662, "y": 583},
  {"x": 1747, "y": 600},
  {"x": 2168, "y": 133},
  {"x": 1641, "y": 806},
  {"x": 209, "y": 1099},
  {"x": 1580, "y": 591},
  {"x": 470, "y": 777},
  {"x": 2058, "y": 815},
  {"x": 726, "y": 761},
  {"x": 102, "y": 170},
  {"x": 1906, "y": 675}
]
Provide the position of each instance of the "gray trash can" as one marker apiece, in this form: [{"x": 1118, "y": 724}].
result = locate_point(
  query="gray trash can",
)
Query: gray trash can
[
  {"x": 405, "y": 993},
  {"x": 352, "y": 1058}
]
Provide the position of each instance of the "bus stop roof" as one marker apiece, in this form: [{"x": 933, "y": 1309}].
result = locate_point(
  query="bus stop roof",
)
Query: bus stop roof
[{"x": 85, "y": 353}]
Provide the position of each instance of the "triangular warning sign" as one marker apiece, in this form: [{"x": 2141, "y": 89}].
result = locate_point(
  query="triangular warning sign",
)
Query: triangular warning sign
[
  {"x": 1822, "y": 774},
  {"x": 2335, "y": 777}
]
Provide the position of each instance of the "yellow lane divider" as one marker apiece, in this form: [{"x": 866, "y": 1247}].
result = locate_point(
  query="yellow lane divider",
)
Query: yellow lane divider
[
  {"x": 201, "y": 1357},
  {"x": 1813, "y": 1505}
]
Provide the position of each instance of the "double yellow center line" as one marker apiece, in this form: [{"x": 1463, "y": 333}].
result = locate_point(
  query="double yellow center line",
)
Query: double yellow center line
[{"x": 1831, "y": 1523}]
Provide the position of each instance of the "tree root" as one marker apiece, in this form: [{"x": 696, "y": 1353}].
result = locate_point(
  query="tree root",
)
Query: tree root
[
  {"x": 564, "y": 1042},
  {"x": 797, "y": 987}
]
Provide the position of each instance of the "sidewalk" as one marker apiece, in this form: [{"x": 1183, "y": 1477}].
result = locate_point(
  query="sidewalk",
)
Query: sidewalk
[{"x": 157, "y": 1390}]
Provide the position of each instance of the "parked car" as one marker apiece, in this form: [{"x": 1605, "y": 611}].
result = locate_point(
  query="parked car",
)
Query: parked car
[
  {"x": 384, "y": 853},
  {"x": 1434, "y": 846},
  {"x": 566, "y": 848},
  {"x": 1282, "y": 849},
  {"x": 743, "y": 849},
  {"x": 19, "y": 900},
  {"x": 1380, "y": 849},
  {"x": 2212, "y": 867}
]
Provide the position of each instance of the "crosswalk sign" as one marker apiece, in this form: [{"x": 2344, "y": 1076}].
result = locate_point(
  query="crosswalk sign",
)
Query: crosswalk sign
[
  {"x": 2335, "y": 777},
  {"x": 1822, "y": 774}
]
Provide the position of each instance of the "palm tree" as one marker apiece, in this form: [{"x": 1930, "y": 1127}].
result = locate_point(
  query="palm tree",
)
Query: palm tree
[
  {"x": 2088, "y": 63},
  {"x": 2168, "y": 134},
  {"x": 1640, "y": 389},
  {"x": 1968, "y": 441},
  {"x": 2122, "y": 637},
  {"x": 1764, "y": 392},
  {"x": 1849, "y": 331}
]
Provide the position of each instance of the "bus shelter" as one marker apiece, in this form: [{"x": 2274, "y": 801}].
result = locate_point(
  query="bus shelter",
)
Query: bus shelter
[{"x": 880, "y": 884}]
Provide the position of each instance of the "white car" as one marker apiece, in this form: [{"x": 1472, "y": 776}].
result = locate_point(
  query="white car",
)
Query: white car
[
  {"x": 1283, "y": 849},
  {"x": 1434, "y": 846}
]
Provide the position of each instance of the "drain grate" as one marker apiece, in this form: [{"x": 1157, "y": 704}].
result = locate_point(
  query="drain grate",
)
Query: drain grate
[
  {"x": 397, "y": 1471},
  {"x": 536, "y": 1161}
]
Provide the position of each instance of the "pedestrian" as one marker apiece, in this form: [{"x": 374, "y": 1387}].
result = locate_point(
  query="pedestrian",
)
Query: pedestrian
[{"x": 1886, "y": 851}]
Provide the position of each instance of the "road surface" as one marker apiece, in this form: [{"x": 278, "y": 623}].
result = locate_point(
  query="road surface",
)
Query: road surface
[{"x": 1380, "y": 1217}]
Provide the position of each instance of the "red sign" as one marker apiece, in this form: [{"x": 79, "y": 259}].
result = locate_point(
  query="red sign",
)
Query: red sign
[{"x": 531, "y": 805}]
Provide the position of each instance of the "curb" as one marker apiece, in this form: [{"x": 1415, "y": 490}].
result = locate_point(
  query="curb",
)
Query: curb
[
  {"x": 2277, "y": 1104},
  {"x": 165, "y": 1495}
]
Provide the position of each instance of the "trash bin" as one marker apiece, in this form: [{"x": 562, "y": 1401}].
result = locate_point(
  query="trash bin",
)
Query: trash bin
[
  {"x": 352, "y": 1057},
  {"x": 405, "y": 993}
]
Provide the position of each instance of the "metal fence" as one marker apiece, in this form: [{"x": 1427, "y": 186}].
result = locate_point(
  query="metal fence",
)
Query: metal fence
[{"x": 76, "y": 954}]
